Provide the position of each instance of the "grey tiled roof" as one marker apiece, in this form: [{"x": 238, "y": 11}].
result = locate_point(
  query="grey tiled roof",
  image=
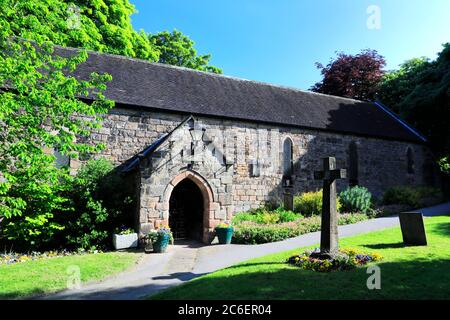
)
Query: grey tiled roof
[{"x": 156, "y": 86}]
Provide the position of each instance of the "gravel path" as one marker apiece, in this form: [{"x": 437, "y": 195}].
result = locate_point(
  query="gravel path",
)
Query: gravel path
[{"x": 189, "y": 259}]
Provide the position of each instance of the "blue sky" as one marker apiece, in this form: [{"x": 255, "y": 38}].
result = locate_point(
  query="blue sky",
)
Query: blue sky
[{"x": 280, "y": 41}]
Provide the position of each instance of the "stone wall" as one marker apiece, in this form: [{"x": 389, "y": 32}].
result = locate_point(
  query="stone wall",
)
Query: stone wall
[{"x": 252, "y": 174}]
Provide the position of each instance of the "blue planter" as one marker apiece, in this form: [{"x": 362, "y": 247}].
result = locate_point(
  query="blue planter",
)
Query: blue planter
[
  {"x": 160, "y": 245},
  {"x": 224, "y": 235}
]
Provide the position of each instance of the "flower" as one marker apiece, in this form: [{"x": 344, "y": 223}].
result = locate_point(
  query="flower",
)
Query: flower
[
  {"x": 376, "y": 257},
  {"x": 346, "y": 259},
  {"x": 224, "y": 224},
  {"x": 124, "y": 230},
  {"x": 156, "y": 234}
]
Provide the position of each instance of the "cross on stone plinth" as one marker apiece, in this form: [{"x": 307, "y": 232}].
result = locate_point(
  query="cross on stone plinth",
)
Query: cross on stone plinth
[{"x": 329, "y": 226}]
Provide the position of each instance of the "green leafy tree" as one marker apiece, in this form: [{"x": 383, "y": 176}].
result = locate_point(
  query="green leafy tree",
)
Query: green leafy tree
[
  {"x": 177, "y": 49},
  {"x": 40, "y": 110},
  {"x": 99, "y": 25},
  {"x": 420, "y": 92},
  {"x": 427, "y": 107},
  {"x": 396, "y": 85}
]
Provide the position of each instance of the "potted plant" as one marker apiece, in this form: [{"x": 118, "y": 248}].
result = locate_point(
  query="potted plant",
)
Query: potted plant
[
  {"x": 224, "y": 232},
  {"x": 160, "y": 239},
  {"x": 125, "y": 238}
]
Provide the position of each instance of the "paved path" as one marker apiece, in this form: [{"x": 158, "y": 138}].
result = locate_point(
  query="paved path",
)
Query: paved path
[{"x": 187, "y": 260}]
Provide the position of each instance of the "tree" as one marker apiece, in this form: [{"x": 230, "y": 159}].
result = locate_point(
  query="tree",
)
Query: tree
[
  {"x": 396, "y": 85},
  {"x": 40, "y": 109},
  {"x": 99, "y": 25},
  {"x": 41, "y": 106},
  {"x": 444, "y": 164},
  {"x": 352, "y": 76},
  {"x": 177, "y": 49},
  {"x": 419, "y": 91},
  {"x": 427, "y": 106}
]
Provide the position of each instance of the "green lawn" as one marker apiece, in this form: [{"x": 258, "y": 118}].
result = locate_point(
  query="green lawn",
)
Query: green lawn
[
  {"x": 49, "y": 275},
  {"x": 406, "y": 273}
]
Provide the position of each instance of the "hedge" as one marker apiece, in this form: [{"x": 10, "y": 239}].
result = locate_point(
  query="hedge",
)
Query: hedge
[{"x": 253, "y": 233}]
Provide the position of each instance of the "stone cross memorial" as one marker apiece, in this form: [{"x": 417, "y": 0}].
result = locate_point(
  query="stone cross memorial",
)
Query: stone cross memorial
[{"x": 329, "y": 225}]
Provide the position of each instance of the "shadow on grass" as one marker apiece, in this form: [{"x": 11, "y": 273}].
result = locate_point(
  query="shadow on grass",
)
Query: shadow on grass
[
  {"x": 386, "y": 245},
  {"x": 243, "y": 265},
  {"x": 20, "y": 295},
  {"x": 413, "y": 279},
  {"x": 442, "y": 229},
  {"x": 420, "y": 279}
]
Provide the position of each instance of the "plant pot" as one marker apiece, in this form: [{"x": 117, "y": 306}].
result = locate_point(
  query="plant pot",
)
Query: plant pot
[
  {"x": 160, "y": 245},
  {"x": 224, "y": 235},
  {"x": 125, "y": 241},
  {"x": 148, "y": 245}
]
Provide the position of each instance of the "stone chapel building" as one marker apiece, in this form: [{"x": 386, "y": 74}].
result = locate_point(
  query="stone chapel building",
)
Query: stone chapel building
[{"x": 200, "y": 147}]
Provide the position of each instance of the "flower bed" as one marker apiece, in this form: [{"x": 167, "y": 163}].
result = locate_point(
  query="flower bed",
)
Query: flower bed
[
  {"x": 347, "y": 259},
  {"x": 14, "y": 257},
  {"x": 249, "y": 232}
]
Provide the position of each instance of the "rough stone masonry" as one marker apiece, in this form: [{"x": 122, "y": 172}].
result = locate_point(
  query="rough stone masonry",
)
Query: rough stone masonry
[{"x": 234, "y": 186}]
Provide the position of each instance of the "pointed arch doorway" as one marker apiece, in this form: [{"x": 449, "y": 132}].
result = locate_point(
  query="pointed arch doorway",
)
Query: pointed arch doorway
[
  {"x": 190, "y": 202},
  {"x": 186, "y": 211}
]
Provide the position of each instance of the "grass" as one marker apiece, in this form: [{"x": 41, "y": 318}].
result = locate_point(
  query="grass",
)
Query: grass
[
  {"x": 406, "y": 273},
  {"x": 44, "y": 276}
]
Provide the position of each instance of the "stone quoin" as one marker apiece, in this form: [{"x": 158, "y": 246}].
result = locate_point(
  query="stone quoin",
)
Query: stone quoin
[{"x": 199, "y": 147}]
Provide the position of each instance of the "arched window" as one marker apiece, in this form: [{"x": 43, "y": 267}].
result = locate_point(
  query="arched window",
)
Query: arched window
[
  {"x": 410, "y": 160},
  {"x": 353, "y": 164},
  {"x": 288, "y": 164}
]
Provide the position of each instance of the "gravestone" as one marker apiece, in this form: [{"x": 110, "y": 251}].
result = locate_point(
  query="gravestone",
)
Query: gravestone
[
  {"x": 329, "y": 226},
  {"x": 288, "y": 197},
  {"x": 413, "y": 229}
]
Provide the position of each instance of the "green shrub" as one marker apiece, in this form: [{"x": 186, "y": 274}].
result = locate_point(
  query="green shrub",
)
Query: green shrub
[
  {"x": 350, "y": 218},
  {"x": 287, "y": 215},
  {"x": 266, "y": 216},
  {"x": 253, "y": 233},
  {"x": 356, "y": 199},
  {"x": 402, "y": 195},
  {"x": 242, "y": 217},
  {"x": 411, "y": 196},
  {"x": 102, "y": 204},
  {"x": 310, "y": 203},
  {"x": 30, "y": 201},
  {"x": 430, "y": 192}
]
